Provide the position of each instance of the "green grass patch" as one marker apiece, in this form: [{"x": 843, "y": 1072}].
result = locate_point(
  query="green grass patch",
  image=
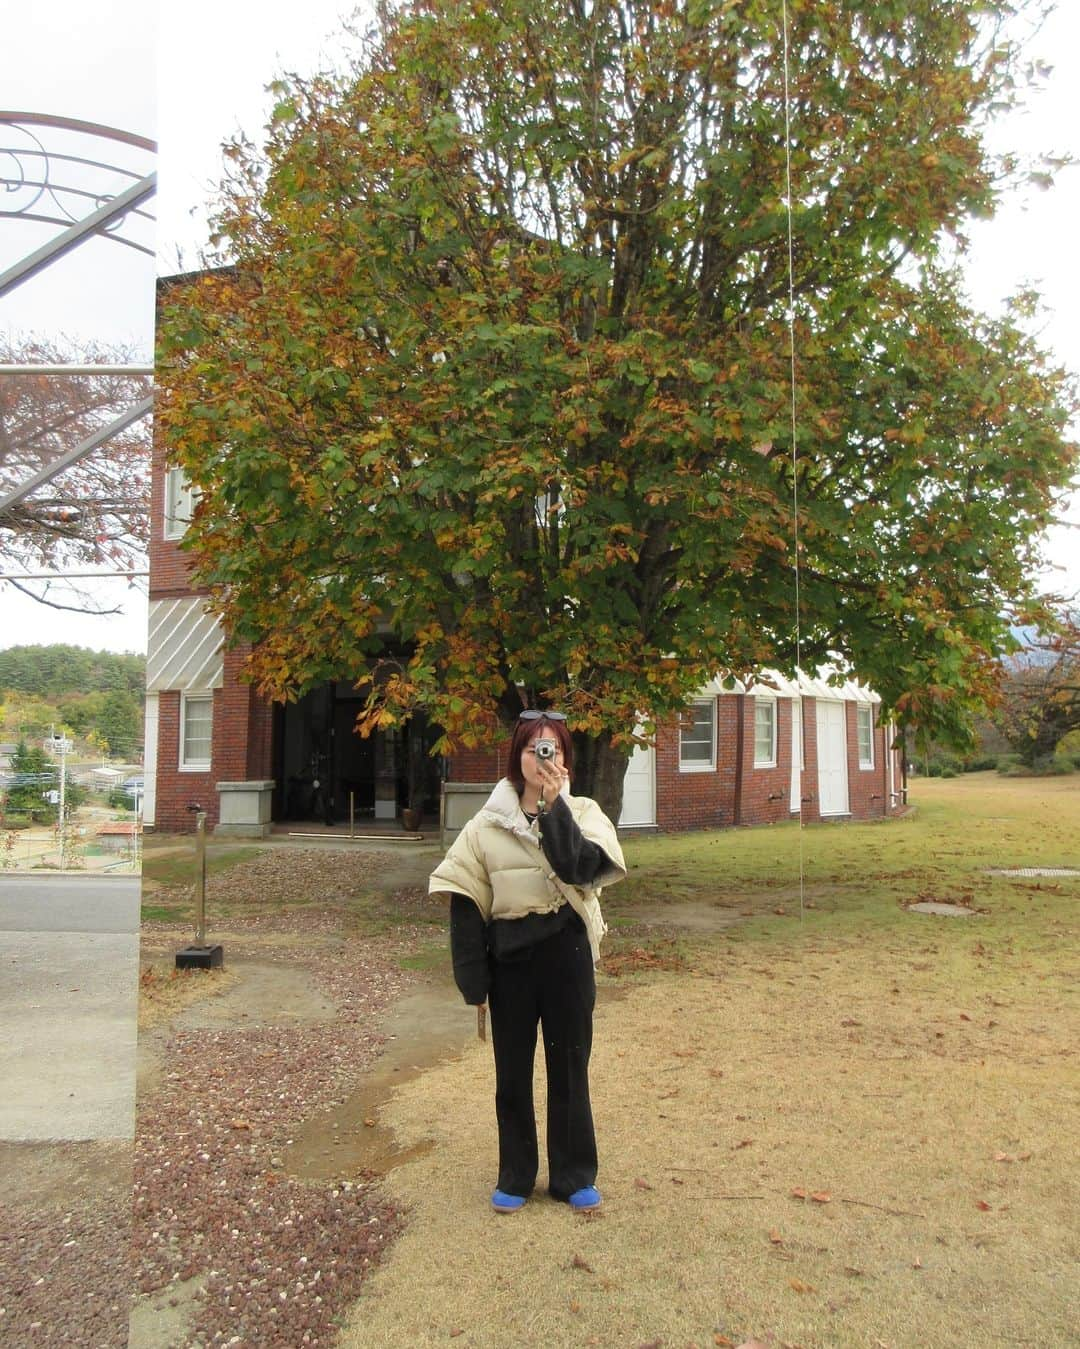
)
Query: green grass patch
[
  {"x": 427, "y": 959},
  {"x": 178, "y": 868},
  {"x": 160, "y": 913},
  {"x": 784, "y": 890}
]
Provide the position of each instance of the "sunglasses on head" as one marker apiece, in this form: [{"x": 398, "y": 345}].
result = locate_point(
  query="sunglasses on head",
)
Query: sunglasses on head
[{"x": 532, "y": 714}]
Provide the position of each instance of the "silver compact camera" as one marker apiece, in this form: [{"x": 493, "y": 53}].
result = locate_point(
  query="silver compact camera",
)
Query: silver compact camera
[{"x": 546, "y": 749}]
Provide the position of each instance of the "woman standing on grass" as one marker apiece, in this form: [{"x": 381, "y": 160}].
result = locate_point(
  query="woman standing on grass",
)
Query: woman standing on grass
[{"x": 524, "y": 879}]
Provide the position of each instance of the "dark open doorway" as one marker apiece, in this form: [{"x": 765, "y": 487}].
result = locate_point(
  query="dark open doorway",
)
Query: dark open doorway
[{"x": 327, "y": 773}]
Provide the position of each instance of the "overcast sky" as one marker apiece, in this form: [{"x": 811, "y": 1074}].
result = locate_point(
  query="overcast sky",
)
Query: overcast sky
[{"x": 192, "y": 75}]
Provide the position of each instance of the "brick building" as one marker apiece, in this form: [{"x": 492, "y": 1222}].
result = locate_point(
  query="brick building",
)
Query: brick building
[{"x": 743, "y": 756}]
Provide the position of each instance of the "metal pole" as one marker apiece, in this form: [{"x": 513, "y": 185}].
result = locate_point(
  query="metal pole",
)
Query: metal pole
[
  {"x": 200, "y": 878},
  {"x": 70, "y": 457},
  {"x": 63, "y": 786},
  {"x": 71, "y": 369},
  {"x": 352, "y": 816},
  {"x": 114, "y": 209}
]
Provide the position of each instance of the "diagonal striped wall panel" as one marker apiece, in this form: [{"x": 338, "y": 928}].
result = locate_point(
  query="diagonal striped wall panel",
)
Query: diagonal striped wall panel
[{"x": 185, "y": 647}]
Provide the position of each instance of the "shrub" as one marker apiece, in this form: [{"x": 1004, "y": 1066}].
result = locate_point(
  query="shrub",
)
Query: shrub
[{"x": 1049, "y": 768}]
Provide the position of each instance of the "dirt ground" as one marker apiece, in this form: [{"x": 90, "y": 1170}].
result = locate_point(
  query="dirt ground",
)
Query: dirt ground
[
  {"x": 774, "y": 1168},
  {"x": 811, "y": 1146}
]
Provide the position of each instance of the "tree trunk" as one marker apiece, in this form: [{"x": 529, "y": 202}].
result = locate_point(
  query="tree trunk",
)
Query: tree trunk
[
  {"x": 1039, "y": 751},
  {"x": 599, "y": 769}
]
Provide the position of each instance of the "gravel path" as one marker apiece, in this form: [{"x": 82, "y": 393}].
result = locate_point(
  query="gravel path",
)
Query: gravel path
[
  {"x": 221, "y": 1244},
  {"x": 65, "y": 1274},
  {"x": 276, "y": 1259}
]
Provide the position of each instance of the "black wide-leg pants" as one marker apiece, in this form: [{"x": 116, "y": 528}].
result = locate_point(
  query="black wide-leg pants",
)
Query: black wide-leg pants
[{"x": 551, "y": 984}]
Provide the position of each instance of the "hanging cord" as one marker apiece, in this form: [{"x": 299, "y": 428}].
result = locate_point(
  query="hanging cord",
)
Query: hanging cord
[{"x": 796, "y": 749}]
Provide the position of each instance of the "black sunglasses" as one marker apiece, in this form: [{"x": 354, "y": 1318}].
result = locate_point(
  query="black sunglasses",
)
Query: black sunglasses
[{"x": 533, "y": 715}]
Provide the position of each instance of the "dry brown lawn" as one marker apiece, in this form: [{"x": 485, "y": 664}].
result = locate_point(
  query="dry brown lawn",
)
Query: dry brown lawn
[
  {"x": 822, "y": 1135},
  {"x": 936, "y": 1155}
]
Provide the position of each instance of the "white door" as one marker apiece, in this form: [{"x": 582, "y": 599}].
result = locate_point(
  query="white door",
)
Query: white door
[
  {"x": 796, "y": 755},
  {"x": 832, "y": 757},
  {"x": 639, "y": 790}
]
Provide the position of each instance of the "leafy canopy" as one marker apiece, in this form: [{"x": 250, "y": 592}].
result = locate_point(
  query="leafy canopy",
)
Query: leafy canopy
[{"x": 500, "y": 364}]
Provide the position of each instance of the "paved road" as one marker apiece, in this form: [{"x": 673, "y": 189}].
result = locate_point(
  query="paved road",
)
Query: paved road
[{"x": 68, "y": 1004}]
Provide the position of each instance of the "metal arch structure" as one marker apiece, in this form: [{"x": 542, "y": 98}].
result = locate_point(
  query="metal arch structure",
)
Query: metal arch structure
[
  {"x": 97, "y": 184},
  {"x": 53, "y": 187}
]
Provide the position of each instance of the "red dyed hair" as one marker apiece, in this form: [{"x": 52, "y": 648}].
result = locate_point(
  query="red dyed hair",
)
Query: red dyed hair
[{"x": 523, "y": 733}]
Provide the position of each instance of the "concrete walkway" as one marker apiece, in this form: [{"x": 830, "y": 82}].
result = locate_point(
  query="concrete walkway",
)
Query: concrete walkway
[{"x": 68, "y": 1004}]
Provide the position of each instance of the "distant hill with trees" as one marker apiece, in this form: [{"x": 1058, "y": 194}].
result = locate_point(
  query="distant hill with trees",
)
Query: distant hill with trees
[
  {"x": 95, "y": 695},
  {"x": 48, "y": 671}
]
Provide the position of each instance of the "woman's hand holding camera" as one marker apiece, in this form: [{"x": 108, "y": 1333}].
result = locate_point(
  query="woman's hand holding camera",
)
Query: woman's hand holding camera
[{"x": 552, "y": 777}]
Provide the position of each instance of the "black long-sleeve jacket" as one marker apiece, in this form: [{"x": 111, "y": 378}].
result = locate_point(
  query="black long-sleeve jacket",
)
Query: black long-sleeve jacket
[{"x": 575, "y": 859}]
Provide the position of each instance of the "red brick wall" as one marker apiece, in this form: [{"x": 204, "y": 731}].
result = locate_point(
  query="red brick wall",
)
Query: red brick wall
[
  {"x": 169, "y": 567},
  {"x": 765, "y": 795},
  {"x": 735, "y": 792},
  {"x": 477, "y": 765},
  {"x": 241, "y": 749},
  {"x": 811, "y": 804},
  {"x": 867, "y": 787},
  {"x": 701, "y": 799},
  {"x": 176, "y": 790}
]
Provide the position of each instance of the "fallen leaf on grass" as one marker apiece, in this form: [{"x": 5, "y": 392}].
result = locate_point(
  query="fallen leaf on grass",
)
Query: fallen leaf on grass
[
  {"x": 776, "y": 1238},
  {"x": 1004, "y": 1157},
  {"x": 239, "y": 1124},
  {"x": 801, "y": 1287},
  {"x": 579, "y": 1263},
  {"x": 640, "y": 1184},
  {"x": 746, "y": 1142},
  {"x": 818, "y": 1196},
  {"x": 916, "y": 1263},
  {"x": 369, "y": 1124},
  {"x": 575, "y": 1306},
  {"x": 983, "y": 1205},
  {"x": 723, "y": 1341}
]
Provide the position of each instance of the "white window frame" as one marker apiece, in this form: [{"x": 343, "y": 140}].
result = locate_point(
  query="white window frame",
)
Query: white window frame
[
  {"x": 700, "y": 765},
  {"x": 195, "y": 765},
  {"x": 760, "y": 704},
  {"x": 180, "y": 499},
  {"x": 864, "y": 713}
]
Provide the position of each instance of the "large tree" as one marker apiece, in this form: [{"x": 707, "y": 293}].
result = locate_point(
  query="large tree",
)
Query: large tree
[
  {"x": 1040, "y": 696},
  {"x": 94, "y": 513},
  {"x": 500, "y": 364}
]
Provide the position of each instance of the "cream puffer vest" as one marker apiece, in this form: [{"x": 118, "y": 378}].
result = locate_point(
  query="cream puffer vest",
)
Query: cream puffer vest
[{"x": 497, "y": 861}]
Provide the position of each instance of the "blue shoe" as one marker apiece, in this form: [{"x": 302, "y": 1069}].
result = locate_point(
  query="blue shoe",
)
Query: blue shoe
[
  {"x": 584, "y": 1201},
  {"x": 502, "y": 1202}
]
